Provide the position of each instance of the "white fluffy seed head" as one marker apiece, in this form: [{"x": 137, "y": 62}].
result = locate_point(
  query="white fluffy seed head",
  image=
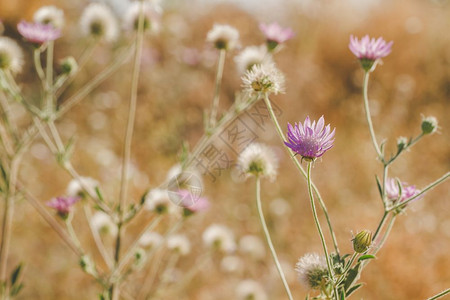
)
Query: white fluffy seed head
[
  {"x": 151, "y": 17},
  {"x": 11, "y": 55},
  {"x": 99, "y": 21},
  {"x": 179, "y": 243},
  {"x": 150, "y": 240},
  {"x": 157, "y": 201},
  {"x": 250, "y": 289},
  {"x": 76, "y": 187},
  {"x": 50, "y": 15},
  {"x": 312, "y": 270},
  {"x": 251, "y": 56},
  {"x": 264, "y": 78},
  {"x": 252, "y": 246},
  {"x": 103, "y": 223},
  {"x": 223, "y": 37},
  {"x": 220, "y": 238},
  {"x": 258, "y": 160}
]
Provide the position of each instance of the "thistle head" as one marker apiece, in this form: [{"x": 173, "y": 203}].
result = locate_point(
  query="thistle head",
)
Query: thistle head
[{"x": 369, "y": 50}]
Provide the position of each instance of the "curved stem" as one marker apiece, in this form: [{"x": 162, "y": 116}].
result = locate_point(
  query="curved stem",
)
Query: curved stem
[
  {"x": 441, "y": 294},
  {"x": 302, "y": 171},
  {"x": 267, "y": 235},
  {"x": 319, "y": 228},
  {"x": 369, "y": 120},
  {"x": 215, "y": 106}
]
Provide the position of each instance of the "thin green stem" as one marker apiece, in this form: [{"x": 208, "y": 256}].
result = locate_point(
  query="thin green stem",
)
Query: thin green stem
[
  {"x": 49, "y": 78},
  {"x": 97, "y": 239},
  {"x": 380, "y": 225},
  {"x": 319, "y": 229},
  {"x": 268, "y": 239},
  {"x": 72, "y": 233},
  {"x": 38, "y": 64},
  {"x": 383, "y": 191},
  {"x": 441, "y": 294},
  {"x": 215, "y": 105},
  {"x": 423, "y": 191},
  {"x": 302, "y": 171},
  {"x": 368, "y": 117},
  {"x": 386, "y": 234}
]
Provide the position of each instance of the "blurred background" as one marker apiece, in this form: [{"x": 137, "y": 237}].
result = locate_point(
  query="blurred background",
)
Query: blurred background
[{"x": 322, "y": 78}]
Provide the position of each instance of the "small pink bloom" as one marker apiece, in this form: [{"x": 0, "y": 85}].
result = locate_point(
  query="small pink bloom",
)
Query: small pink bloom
[
  {"x": 63, "y": 205},
  {"x": 392, "y": 190},
  {"x": 276, "y": 33},
  {"x": 192, "y": 202},
  {"x": 370, "y": 48},
  {"x": 38, "y": 33}
]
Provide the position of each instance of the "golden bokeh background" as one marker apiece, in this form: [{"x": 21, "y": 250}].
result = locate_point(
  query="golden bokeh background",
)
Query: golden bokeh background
[{"x": 322, "y": 78}]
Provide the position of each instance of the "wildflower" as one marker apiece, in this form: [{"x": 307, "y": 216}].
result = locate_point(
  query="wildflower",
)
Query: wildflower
[
  {"x": 98, "y": 21},
  {"x": 253, "y": 246},
  {"x": 251, "y": 56},
  {"x": 310, "y": 140},
  {"x": 429, "y": 125},
  {"x": 258, "y": 160},
  {"x": 231, "y": 264},
  {"x": 362, "y": 241},
  {"x": 140, "y": 257},
  {"x": 402, "y": 143},
  {"x": 191, "y": 202},
  {"x": 150, "y": 240},
  {"x": 49, "y": 15},
  {"x": 11, "y": 55},
  {"x": 265, "y": 78},
  {"x": 275, "y": 34},
  {"x": 151, "y": 17},
  {"x": 369, "y": 51},
  {"x": 223, "y": 37},
  {"x": 68, "y": 65},
  {"x": 219, "y": 237},
  {"x": 393, "y": 191},
  {"x": 77, "y": 187},
  {"x": 179, "y": 243},
  {"x": 157, "y": 200},
  {"x": 38, "y": 33},
  {"x": 312, "y": 270},
  {"x": 250, "y": 289},
  {"x": 63, "y": 205},
  {"x": 102, "y": 223}
]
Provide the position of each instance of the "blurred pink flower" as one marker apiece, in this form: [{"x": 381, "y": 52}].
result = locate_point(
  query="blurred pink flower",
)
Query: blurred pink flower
[
  {"x": 191, "y": 202},
  {"x": 310, "y": 140},
  {"x": 38, "y": 33},
  {"x": 275, "y": 33},
  {"x": 369, "y": 50},
  {"x": 63, "y": 205},
  {"x": 392, "y": 190}
]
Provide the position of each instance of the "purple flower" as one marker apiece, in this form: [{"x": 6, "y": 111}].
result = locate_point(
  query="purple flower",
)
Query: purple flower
[
  {"x": 63, "y": 205},
  {"x": 38, "y": 33},
  {"x": 392, "y": 191},
  {"x": 275, "y": 34},
  {"x": 191, "y": 202},
  {"x": 369, "y": 50},
  {"x": 310, "y": 140}
]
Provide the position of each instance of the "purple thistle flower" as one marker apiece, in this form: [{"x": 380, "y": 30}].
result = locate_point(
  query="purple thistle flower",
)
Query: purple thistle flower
[
  {"x": 38, "y": 33},
  {"x": 369, "y": 50},
  {"x": 63, "y": 205},
  {"x": 191, "y": 202},
  {"x": 310, "y": 140},
  {"x": 275, "y": 34},
  {"x": 393, "y": 192}
]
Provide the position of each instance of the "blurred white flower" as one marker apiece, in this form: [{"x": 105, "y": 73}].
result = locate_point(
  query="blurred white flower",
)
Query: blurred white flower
[
  {"x": 252, "y": 246},
  {"x": 76, "y": 187},
  {"x": 250, "y": 289},
  {"x": 231, "y": 264},
  {"x": 219, "y": 237},
  {"x": 223, "y": 37},
  {"x": 258, "y": 160},
  {"x": 103, "y": 223},
  {"x": 11, "y": 55},
  {"x": 179, "y": 243},
  {"x": 151, "y": 17},
  {"x": 150, "y": 240},
  {"x": 157, "y": 201},
  {"x": 50, "y": 15},
  {"x": 312, "y": 270},
  {"x": 251, "y": 56},
  {"x": 99, "y": 21}
]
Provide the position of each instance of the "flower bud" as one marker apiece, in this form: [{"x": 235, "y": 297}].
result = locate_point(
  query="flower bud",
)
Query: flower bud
[
  {"x": 402, "y": 142},
  {"x": 69, "y": 65},
  {"x": 362, "y": 241},
  {"x": 429, "y": 125}
]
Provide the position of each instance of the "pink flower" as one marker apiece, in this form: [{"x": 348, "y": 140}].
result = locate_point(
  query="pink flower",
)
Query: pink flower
[
  {"x": 191, "y": 202},
  {"x": 38, "y": 33},
  {"x": 63, "y": 205},
  {"x": 310, "y": 140},
  {"x": 275, "y": 34},
  {"x": 369, "y": 50},
  {"x": 392, "y": 191}
]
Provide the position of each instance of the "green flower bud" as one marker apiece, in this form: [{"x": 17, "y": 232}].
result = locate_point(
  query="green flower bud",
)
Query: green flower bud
[
  {"x": 402, "y": 142},
  {"x": 362, "y": 241},
  {"x": 69, "y": 65},
  {"x": 429, "y": 125}
]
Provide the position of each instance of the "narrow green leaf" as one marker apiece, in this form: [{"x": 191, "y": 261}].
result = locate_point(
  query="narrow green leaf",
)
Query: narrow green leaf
[
  {"x": 15, "y": 274},
  {"x": 4, "y": 175},
  {"x": 16, "y": 289},
  {"x": 353, "y": 288},
  {"x": 99, "y": 194},
  {"x": 400, "y": 190},
  {"x": 380, "y": 189},
  {"x": 351, "y": 277},
  {"x": 365, "y": 257},
  {"x": 143, "y": 198}
]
